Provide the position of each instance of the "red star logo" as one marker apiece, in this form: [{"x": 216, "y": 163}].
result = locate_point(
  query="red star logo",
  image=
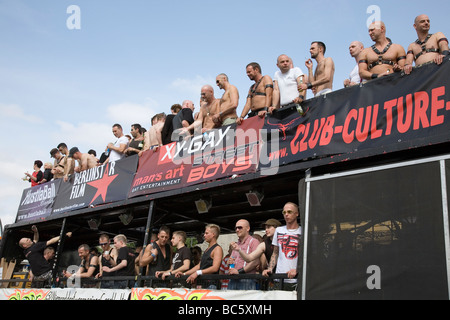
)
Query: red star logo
[{"x": 102, "y": 185}]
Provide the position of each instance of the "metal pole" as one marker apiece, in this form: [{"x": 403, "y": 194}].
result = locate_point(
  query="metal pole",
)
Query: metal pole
[
  {"x": 3, "y": 239},
  {"x": 305, "y": 234},
  {"x": 146, "y": 237},
  {"x": 59, "y": 251},
  {"x": 445, "y": 220}
]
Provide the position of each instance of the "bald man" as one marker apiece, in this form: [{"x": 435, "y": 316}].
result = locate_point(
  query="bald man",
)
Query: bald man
[
  {"x": 383, "y": 58},
  {"x": 228, "y": 103},
  {"x": 285, "y": 84},
  {"x": 355, "y": 48},
  {"x": 428, "y": 47},
  {"x": 248, "y": 244},
  {"x": 209, "y": 106}
]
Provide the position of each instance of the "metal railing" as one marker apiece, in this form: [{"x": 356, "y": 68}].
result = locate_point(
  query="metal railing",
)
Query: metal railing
[{"x": 215, "y": 281}]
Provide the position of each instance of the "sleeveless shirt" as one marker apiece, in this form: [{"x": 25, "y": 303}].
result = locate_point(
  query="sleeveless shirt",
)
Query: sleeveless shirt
[{"x": 206, "y": 260}]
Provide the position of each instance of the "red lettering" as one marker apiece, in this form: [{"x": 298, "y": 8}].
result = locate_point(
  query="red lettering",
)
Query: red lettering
[
  {"x": 316, "y": 133},
  {"x": 388, "y": 106},
  {"x": 303, "y": 144},
  {"x": 374, "y": 133},
  {"x": 246, "y": 163},
  {"x": 421, "y": 105},
  {"x": 436, "y": 105},
  {"x": 195, "y": 174},
  {"x": 404, "y": 115},
  {"x": 211, "y": 171},
  {"x": 362, "y": 133},
  {"x": 294, "y": 145},
  {"x": 327, "y": 131},
  {"x": 349, "y": 136},
  {"x": 225, "y": 165}
]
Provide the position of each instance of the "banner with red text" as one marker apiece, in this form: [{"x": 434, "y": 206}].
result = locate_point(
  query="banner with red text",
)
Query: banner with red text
[
  {"x": 226, "y": 151},
  {"x": 393, "y": 113}
]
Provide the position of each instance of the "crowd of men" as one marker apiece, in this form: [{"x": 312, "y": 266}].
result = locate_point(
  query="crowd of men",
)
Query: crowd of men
[
  {"x": 276, "y": 252},
  {"x": 288, "y": 88}
]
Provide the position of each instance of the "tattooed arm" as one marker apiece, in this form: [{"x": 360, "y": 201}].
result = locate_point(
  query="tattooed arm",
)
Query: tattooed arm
[{"x": 272, "y": 263}]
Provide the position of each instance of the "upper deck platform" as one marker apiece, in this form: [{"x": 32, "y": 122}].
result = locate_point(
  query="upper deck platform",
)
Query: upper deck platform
[{"x": 394, "y": 116}]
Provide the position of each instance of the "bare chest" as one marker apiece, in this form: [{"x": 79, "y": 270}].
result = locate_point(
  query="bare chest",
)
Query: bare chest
[
  {"x": 426, "y": 50},
  {"x": 378, "y": 55}
]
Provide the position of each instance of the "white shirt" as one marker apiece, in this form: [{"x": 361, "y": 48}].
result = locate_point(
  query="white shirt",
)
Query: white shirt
[
  {"x": 287, "y": 241},
  {"x": 113, "y": 154},
  {"x": 287, "y": 84},
  {"x": 354, "y": 75}
]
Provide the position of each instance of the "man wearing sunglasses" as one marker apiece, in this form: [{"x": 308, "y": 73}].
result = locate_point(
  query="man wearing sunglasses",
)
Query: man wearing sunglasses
[
  {"x": 247, "y": 244},
  {"x": 285, "y": 252},
  {"x": 228, "y": 103},
  {"x": 209, "y": 106},
  {"x": 108, "y": 259}
]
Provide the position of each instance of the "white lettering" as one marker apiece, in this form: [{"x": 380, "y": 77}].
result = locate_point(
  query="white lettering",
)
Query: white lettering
[
  {"x": 374, "y": 281},
  {"x": 74, "y": 21},
  {"x": 376, "y": 14}
]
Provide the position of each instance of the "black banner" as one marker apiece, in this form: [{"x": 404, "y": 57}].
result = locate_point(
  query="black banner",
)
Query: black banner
[
  {"x": 396, "y": 112},
  {"x": 37, "y": 202},
  {"x": 103, "y": 184},
  {"x": 392, "y": 113},
  {"x": 218, "y": 153}
]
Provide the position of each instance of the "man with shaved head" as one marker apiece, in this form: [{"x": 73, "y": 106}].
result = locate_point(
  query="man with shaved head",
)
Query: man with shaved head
[
  {"x": 286, "y": 241},
  {"x": 248, "y": 244},
  {"x": 355, "y": 48},
  {"x": 285, "y": 84},
  {"x": 428, "y": 47},
  {"x": 209, "y": 106},
  {"x": 228, "y": 103},
  {"x": 34, "y": 253},
  {"x": 383, "y": 58}
]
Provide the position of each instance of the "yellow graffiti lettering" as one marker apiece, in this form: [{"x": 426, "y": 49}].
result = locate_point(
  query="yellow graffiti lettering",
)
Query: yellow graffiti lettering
[
  {"x": 28, "y": 295},
  {"x": 166, "y": 294},
  {"x": 196, "y": 296}
]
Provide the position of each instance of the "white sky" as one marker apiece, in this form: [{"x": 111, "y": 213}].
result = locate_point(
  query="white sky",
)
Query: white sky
[{"x": 132, "y": 59}]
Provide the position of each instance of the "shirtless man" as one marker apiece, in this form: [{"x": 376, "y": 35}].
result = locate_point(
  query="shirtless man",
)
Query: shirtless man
[
  {"x": 321, "y": 81},
  {"x": 428, "y": 47},
  {"x": 259, "y": 98},
  {"x": 383, "y": 58},
  {"x": 69, "y": 163},
  {"x": 228, "y": 103},
  {"x": 85, "y": 160},
  {"x": 209, "y": 106},
  {"x": 59, "y": 164},
  {"x": 89, "y": 267},
  {"x": 152, "y": 137}
]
